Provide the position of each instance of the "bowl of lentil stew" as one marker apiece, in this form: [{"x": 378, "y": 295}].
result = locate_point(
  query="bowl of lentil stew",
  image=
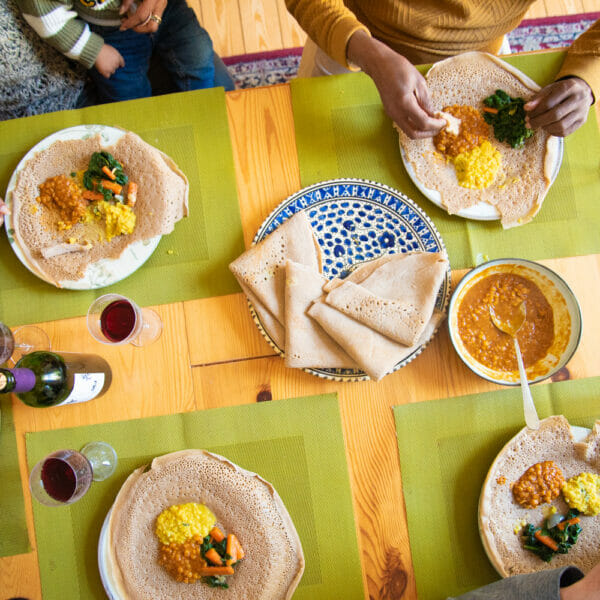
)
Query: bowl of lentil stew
[{"x": 549, "y": 337}]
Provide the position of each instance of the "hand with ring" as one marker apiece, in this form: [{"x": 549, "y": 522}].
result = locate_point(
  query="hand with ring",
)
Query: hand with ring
[{"x": 147, "y": 17}]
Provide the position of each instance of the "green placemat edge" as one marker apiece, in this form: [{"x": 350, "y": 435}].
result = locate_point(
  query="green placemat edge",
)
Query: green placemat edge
[{"x": 315, "y": 418}]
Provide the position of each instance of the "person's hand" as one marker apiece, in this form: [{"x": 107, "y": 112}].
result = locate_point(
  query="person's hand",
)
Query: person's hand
[
  {"x": 587, "y": 588},
  {"x": 3, "y": 211},
  {"x": 147, "y": 17},
  {"x": 109, "y": 59},
  {"x": 402, "y": 88},
  {"x": 561, "y": 107}
]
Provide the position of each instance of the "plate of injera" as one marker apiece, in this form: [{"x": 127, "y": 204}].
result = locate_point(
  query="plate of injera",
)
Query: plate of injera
[
  {"x": 357, "y": 221},
  {"x": 243, "y": 503},
  {"x": 527, "y": 173},
  {"x": 574, "y": 450},
  {"x": 101, "y": 272}
]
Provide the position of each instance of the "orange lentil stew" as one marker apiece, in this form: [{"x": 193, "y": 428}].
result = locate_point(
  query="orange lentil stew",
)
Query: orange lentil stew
[
  {"x": 473, "y": 131},
  {"x": 492, "y": 347},
  {"x": 210, "y": 559},
  {"x": 541, "y": 483},
  {"x": 62, "y": 194}
]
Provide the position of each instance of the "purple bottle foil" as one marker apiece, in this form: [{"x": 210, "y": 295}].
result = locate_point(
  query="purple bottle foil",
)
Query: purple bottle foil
[{"x": 24, "y": 380}]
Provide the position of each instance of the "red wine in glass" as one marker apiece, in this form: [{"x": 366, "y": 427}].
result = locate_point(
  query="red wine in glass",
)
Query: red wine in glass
[
  {"x": 117, "y": 320},
  {"x": 66, "y": 475},
  {"x": 59, "y": 479}
]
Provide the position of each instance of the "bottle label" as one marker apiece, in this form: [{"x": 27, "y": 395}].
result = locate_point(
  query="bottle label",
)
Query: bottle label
[{"x": 86, "y": 386}]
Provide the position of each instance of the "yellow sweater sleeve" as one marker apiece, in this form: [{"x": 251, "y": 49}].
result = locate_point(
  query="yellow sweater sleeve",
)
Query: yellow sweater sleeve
[
  {"x": 583, "y": 59},
  {"x": 328, "y": 23}
]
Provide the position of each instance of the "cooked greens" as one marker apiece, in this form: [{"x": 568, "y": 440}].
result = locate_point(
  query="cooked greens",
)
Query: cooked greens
[
  {"x": 97, "y": 177},
  {"x": 507, "y": 117},
  {"x": 548, "y": 541}
]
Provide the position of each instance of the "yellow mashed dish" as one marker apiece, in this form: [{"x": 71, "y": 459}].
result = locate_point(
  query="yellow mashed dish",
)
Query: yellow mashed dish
[
  {"x": 477, "y": 168},
  {"x": 583, "y": 493},
  {"x": 181, "y": 522}
]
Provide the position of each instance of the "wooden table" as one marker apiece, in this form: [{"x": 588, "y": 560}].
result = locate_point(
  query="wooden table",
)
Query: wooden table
[{"x": 211, "y": 354}]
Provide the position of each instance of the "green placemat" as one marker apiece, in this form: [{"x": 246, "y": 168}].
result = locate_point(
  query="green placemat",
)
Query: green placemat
[
  {"x": 191, "y": 262},
  {"x": 342, "y": 131},
  {"x": 296, "y": 444},
  {"x": 457, "y": 440},
  {"x": 13, "y": 527}
]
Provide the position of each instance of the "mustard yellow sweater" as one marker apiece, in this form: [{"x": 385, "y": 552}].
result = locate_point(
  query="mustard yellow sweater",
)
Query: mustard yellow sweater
[{"x": 434, "y": 28}]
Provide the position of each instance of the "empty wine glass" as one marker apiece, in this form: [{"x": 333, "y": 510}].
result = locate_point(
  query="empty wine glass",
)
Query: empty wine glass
[
  {"x": 115, "y": 319},
  {"x": 25, "y": 339},
  {"x": 64, "y": 476}
]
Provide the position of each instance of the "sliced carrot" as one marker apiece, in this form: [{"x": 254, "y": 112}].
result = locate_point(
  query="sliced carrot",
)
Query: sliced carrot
[
  {"x": 572, "y": 521},
  {"x": 489, "y": 109},
  {"x": 89, "y": 195},
  {"x": 112, "y": 186},
  {"x": 546, "y": 540},
  {"x": 108, "y": 173},
  {"x": 211, "y": 571},
  {"x": 213, "y": 556},
  {"x": 132, "y": 193},
  {"x": 216, "y": 534},
  {"x": 231, "y": 549},
  {"x": 240, "y": 551}
]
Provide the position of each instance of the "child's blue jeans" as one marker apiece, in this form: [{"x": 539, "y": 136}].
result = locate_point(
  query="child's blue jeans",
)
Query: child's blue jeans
[{"x": 183, "y": 48}]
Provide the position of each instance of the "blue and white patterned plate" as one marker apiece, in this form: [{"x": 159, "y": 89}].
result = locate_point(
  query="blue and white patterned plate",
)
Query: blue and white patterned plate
[{"x": 356, "y": 221}]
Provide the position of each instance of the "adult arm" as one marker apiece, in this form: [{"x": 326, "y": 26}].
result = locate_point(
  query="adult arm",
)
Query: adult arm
[
  {"x": 56, "y": 23},
  {"x": 402, "y": 88},
  {"x": 562, "y": 107},
  {"x": 543, "y": 585}
]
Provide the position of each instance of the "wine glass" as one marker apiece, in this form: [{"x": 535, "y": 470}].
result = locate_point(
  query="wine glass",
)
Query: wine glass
[
  {"x": 64, "y": 476},
  {"x": 25, "y": 339},
  {"x": 115, "y": 319}
]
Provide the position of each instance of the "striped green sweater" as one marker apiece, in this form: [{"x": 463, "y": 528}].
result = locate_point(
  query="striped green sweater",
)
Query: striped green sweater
[{"x": 64, "y": 24}]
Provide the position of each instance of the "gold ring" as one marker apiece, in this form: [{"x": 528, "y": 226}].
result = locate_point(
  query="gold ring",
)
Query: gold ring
[{"x": 156, "y": 19}]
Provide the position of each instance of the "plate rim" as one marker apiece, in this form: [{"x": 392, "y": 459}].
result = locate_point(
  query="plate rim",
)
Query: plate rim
[
  {"x": 146, "y": 246},
  {"x": 356, "y": 375},
  {"x": 102, "y": 550}
]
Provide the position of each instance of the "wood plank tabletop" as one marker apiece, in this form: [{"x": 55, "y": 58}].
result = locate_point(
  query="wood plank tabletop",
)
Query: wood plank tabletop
[{"x": 211, "y": 354}]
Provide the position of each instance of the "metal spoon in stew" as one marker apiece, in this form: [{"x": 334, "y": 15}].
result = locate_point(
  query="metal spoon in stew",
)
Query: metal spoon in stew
[{"x": 511, "y": 324}]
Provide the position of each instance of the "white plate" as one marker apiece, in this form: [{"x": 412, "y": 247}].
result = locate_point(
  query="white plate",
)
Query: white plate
[
  {"x": 579, "y": 433},
  {"x": 107, "y": 582},
  {"x": 482, "y": 211},
  {"x": 107, "y": 270}
]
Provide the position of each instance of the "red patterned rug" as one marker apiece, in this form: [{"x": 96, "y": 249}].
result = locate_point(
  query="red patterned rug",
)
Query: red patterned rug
[{"x": 279, "y": 66}]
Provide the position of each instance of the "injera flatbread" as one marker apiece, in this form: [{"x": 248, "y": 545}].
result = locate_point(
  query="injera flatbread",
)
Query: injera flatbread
[
  {"x": 273, "y": 328},
  {"x": 243, "y": 503},
  {"x": 397, "y": 299},
  {"x": 162, "y": 200},
  {"x": 262, "y": 267},
  {"x": 518, "y": 194},
  {"x": 375, "y": 353},
  {"x": 499, "y": 514},
  {"x": 359, "y": 274},
  {"x": 306, "y": 342}
]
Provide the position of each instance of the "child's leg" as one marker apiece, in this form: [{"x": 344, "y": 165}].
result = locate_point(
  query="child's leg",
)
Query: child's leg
[
  {"x": 131, "y": 81},
  {"x": 184, "y": 48}
]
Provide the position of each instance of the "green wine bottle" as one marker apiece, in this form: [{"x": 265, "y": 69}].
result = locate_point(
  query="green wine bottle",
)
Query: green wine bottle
[{"x": 50, "y": 378}]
